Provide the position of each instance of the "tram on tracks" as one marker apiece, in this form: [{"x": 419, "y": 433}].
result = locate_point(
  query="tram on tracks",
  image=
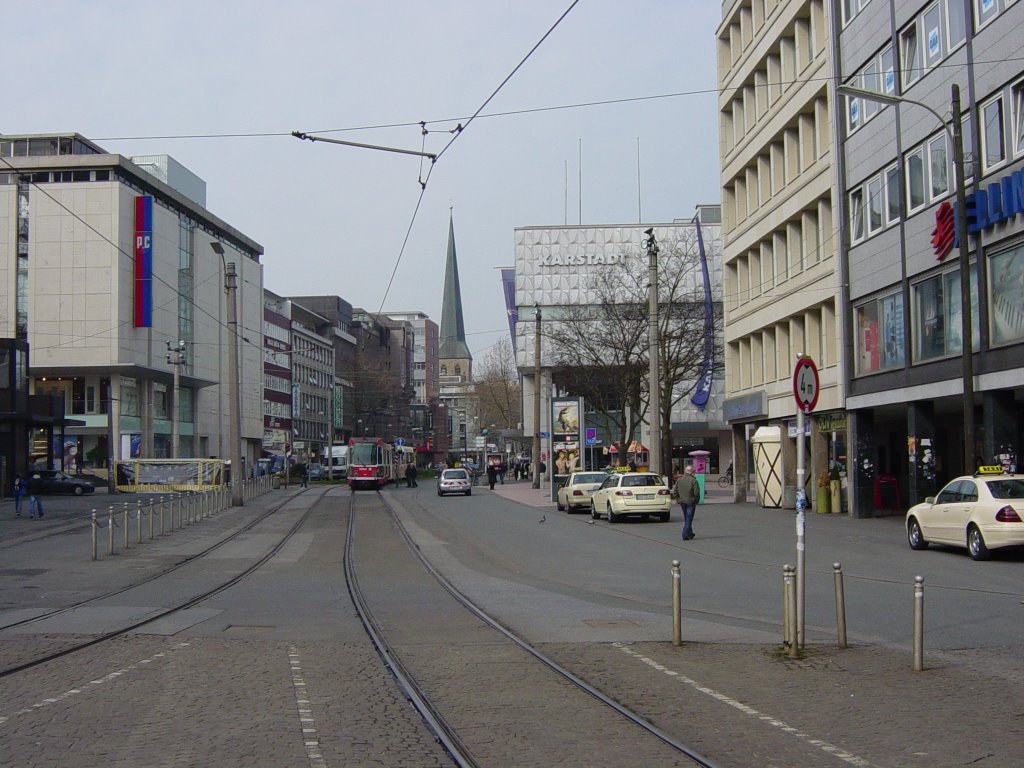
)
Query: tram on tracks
[{"x": 371, "y": 463}]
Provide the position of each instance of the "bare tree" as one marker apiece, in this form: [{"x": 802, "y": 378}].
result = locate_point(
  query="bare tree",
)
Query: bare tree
[
  {"x": 496, "y": 381},
  {"x": 601, "y": 350}
]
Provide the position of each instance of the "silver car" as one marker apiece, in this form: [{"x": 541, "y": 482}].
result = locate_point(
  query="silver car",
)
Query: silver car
[{"x": 455, "y": 481}]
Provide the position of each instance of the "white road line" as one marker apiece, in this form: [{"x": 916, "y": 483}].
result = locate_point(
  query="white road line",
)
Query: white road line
[
  {"x": 310, "y": 737},
  {"x": 99, "y": 681},
  {"x": 835, "y": 751}
]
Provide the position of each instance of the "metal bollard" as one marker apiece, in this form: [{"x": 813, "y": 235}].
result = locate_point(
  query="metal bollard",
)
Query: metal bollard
[
  {"x": 94, "y": 534},
  {"x": 918, "y": 623},
  {"x": 124, "y": 519},
  {"x": 792, "y": 639},
  {"x": 138, "y": 521},
  {"x": 151, "y": 511},
  {"x": 162, "y": 506},
  {"x": 677, "y": 606},
  {"x": 110, "y": 530},
  {"x": 837, "y": 573}
]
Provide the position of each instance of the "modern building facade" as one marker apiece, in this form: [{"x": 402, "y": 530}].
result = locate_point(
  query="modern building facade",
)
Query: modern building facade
[
  {"x": 897, "y": 185},
  {"x": 313, "y": 382},
  {"x": 563, "y": 267},
  {"x": 781, "y": 277},
  {"x": 277, "y": 375},
  {"x": 103, "y": 265}
]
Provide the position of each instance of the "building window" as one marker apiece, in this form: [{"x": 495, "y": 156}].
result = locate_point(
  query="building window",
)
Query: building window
[
  {"x": 937, "y": 322},
  {"x": 938, "y": 166},
  {"x": 985, "y": 11},
  {"x": 129, "y": 397},
  {"x": 1017, "y": 134},
  {"x": 910, "y": 55},
  {"x": 880, "y": 334},
  {"x": 857, "y": 215},
  {"x": 888, "y": 68},
  {"x": 874, "y": 205},
  {"x": 956, "y": 24},
  {"x": 932, "y": 20},
  {"x": 992, "y": 146},
  {"x": 915, "y": 179},
  {"x": 892, "y": 194},
  {"x": 1006, "y": 296}
]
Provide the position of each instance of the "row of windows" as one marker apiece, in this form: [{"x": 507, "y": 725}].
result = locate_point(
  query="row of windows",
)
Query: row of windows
[
  {"x": 314, "y": 377},
  {"x": 927, "y": 168},
  {"x": 48, "y": 177},
  {"x": 801, "y": 243},
  {"x": 795, "y": 150},
  {"x": 44, "y": 146},
  {"x": 748, "y": 19},
  {"x": 276, "y": 383},
  {"x": 778, "y": 72},
  {"x": 935, "y": 316},
  {"x": 767, "y": 355},
  {"x": 280, "y": 410}
]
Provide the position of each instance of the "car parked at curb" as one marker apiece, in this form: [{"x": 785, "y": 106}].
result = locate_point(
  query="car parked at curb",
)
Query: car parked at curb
[
  {"x": 574, "y": 494},
  {"x": 625, "y": 494},
  {"x": 54, "y": 481},
  {"x": 979, "y": 512},
  {"x": 455, "y": 481}
]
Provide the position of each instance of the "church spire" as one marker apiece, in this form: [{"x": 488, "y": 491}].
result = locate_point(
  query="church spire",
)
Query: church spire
[{"x": 453, "y": 329}]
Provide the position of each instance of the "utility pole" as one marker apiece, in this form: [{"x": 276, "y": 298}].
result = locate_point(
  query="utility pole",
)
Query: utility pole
[
  {"x": 654, "y": 407},
  {"x": 966, "y": 327},
  {"x": 234, "y": 401},
  {"x": 536, "y": 396},
  {"x": 176, "y": 358}
]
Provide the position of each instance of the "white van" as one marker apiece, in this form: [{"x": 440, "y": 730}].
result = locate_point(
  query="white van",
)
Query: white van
[{"x": 335, "y": 460}]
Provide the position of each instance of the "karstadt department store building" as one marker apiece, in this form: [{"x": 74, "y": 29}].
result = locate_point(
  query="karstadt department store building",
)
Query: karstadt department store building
[{"x": 105, "y": 261}]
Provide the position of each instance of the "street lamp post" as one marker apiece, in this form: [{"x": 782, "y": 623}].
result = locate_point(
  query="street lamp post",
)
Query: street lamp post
[
  {"x": 954, "y": 129},
  {"x": 234, "y": 402}
]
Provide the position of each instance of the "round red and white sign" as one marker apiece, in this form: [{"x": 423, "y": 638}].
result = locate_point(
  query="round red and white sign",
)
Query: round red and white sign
[{"x": 805, "y": 384}]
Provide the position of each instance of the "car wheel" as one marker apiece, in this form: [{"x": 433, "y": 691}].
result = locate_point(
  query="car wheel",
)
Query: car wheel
[
  {"x": 664, "y": 516},
  {"x": 976, "y": 544},
  {"x": 559, "y": 505},
  {"x": 78, "y": 490},
  {"x": 612, "y": 517},
  {"x": 914, "y": 536},
  {"x": 593, "y": 512},
  {"x": 439, "y": 493},
  {"x": 469, "y": 493}
]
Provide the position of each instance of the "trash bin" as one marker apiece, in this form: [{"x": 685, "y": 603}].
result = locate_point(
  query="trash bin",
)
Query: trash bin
[{"x": 275, "y": 482}]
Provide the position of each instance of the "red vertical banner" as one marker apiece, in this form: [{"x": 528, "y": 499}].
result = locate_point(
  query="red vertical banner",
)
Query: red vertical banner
[{"x": 144, "y": 261}]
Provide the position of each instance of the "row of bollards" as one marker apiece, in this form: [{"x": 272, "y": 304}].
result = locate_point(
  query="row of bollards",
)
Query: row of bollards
[
  {"x": 791, "y": 636},
  {"x": 175, "y": 511}
]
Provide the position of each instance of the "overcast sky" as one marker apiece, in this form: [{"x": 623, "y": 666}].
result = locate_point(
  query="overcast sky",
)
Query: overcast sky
[{"x": 138, "y": 78}]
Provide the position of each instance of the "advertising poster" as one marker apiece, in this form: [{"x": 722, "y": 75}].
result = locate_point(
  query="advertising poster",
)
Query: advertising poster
[{"x": 566, "y": 434}]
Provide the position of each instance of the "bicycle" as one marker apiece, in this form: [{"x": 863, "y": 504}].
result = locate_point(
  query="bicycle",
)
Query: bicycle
[{"x": 724, "y": 481}]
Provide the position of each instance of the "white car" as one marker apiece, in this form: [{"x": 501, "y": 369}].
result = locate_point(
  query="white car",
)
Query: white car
[
  {"x": 632, "y": 493},
  {"x": 575, "y": 492},
  {"x": 980, "y": 512},
  {"x": 455, "y": 481}
]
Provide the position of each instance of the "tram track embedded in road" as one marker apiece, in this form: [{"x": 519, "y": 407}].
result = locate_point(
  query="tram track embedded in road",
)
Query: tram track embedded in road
[{"x": 444, "y": 732}]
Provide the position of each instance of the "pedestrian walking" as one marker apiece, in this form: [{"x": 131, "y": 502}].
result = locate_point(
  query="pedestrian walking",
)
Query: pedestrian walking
[
  {"x": 304, "y": 475},
  {"x": 35, "y": 503},
  {"x": 410, "y": 476},
  {"x": 492, "y": 475},
  {"x": 20, "y": 490},
  {"x": 687, "y": 491},
  {"x": 501, "y": 473}
]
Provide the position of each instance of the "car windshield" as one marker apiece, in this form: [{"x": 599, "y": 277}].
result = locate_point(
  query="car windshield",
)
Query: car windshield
[
  {"x": 1006, "y": 488},
  {"x": 635, "y": 480},
  {"x": 454, "y": 474},
  {"x": 588, "y": 477}
]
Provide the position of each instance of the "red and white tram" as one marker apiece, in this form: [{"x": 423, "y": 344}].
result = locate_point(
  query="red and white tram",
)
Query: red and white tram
[{"x": 371, "y": 463}]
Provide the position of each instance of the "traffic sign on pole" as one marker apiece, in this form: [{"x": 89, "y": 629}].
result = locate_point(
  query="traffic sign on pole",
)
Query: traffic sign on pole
[{"x": 805, "y": 384}]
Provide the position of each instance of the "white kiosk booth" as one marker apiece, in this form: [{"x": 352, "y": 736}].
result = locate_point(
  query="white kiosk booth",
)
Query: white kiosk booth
[{"x": 768, "y": 485}]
